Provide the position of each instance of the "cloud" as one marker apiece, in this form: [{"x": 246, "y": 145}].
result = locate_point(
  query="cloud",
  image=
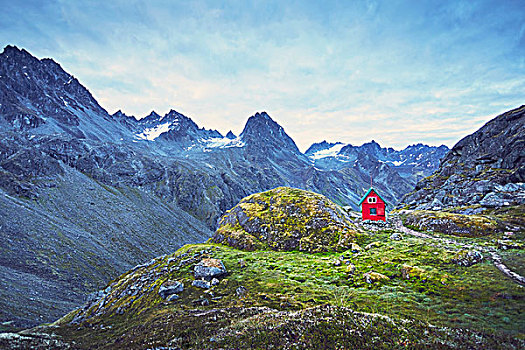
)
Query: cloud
[{"x": 396, "y": 72}]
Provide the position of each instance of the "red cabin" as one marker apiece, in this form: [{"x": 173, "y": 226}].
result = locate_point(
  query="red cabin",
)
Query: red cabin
[{"x": 373, "y": 206}]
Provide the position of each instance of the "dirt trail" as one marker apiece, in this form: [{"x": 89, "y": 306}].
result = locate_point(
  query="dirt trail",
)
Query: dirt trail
[{"x": 496, "y": 258}]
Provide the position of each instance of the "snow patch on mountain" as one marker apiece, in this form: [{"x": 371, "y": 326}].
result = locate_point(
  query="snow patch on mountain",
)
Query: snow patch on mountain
[
  {"x": 224, "y": 142},
  {"x": 329, "y": 152},
  {"x": 399, "y": 162},
  {"x": 151, "y": 134}
]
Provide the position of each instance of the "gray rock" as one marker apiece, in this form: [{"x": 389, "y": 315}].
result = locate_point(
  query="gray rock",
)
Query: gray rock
[
  {"x": 241, "y": 291},
  {"x": 214, "y": 281},
  {"x": 486, "y": 168},
  {"x": 170, "y": 287},
  {"x": 467, "y": 257},
  {"x": 201, "y": 284},
  {"x": 396, "y": 236},
  {"x": 172, "y": 297},
  {"x": 209, "y": 268},
  {"x": 242, "y": 263}
]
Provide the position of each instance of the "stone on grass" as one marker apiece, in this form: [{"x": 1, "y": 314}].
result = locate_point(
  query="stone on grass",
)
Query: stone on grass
[
  {"x": 371, "y": 277},
  {"x": 170, "y": 287},
  {"x": 350, "y": 269},
  {"x": 172, "y": 297},
  {"x": 408, "y": 271},
  {"x": 372, "y": 245},
  {"x": 396, "y": 236},
  {"x": 242, "y": 263},
  {"x": 201, "y": 284},
  {"x": 209, "y": 268},
  {"x": 241, "y": 291},
  {"x": 467, "y": 257},
  {"x": 355, "y": 248}
]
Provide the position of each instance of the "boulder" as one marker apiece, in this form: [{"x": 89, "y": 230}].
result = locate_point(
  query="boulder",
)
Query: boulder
[
  {"x": 350, "y": 269},
  {"x": 209, "y": 268},
  {"x": 467, "y": 257},
  {"x": 355, "y": 248},
  {"x": 408, "y": 271},
  {"x": 372, "y": 277},
  {"x": 509, "y": 244},
  {"x": 242, "y": 263},
  {"x": 396, "y": 236},
  {"x": 201, "y": 284},
  {"x": 241, "y": 291},
  {"x": 170, "y": 287},
  {"x": 172, "y": 297},
  {"x": 286, "y": 219},
  {"x": 372, "y": 245}
]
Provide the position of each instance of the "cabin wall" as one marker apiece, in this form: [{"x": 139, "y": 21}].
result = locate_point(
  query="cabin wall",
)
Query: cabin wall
[{"x": 379, "y": 205}]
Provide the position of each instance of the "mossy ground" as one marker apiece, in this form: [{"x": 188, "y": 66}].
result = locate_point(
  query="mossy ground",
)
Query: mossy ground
[{"x": 438, "y": 292}]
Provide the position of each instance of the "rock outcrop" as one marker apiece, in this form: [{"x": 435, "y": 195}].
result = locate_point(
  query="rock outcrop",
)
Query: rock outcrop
[{"x": 286, "y": 219}]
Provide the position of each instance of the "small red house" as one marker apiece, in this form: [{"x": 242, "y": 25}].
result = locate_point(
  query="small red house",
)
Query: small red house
[{"x": 373, "y": 206}]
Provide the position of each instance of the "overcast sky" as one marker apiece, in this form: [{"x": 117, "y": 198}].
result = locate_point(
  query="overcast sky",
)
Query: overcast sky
[{"x": 398, "y": 72}]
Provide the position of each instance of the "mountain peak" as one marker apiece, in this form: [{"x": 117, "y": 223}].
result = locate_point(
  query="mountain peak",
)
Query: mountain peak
[
  {"x": 13, "y": 50},
  {"x": 119, "y": 113},
  {"x": 263, "y": 115},
  {"x": 172, "y": 112},
  {"x": 122, "y": 115},
  {"x": 230, "y": 135},
  {"x": 371, "y": 145},
  {"x": 262, "y": 131},
  {"x": 50, "y": 98},
  {"x": 153, "y": 116}
]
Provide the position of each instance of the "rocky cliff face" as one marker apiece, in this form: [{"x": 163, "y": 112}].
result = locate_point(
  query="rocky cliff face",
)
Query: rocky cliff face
[
  {"x": 39, "y": 96},
  {"x": 486, "y": 168}
]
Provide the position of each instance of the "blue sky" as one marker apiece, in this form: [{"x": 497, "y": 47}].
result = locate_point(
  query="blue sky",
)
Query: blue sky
[{"x": 398, "y": 72}]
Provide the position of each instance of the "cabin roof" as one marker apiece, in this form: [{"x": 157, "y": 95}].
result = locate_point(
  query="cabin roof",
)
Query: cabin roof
[{"x": 368, "y": 192}]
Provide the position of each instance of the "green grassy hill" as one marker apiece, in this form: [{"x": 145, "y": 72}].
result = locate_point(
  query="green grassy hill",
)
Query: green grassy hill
[{"x": 391, "y": 288}]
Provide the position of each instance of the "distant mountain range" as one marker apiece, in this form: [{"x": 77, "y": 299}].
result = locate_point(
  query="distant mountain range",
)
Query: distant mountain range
[
  {"x": 104, "y": 192},
  {"x": 412, "y": 163}
]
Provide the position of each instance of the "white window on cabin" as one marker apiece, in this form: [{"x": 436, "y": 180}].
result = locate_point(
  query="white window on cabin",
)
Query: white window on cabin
[{"x": 372, "y": 199}]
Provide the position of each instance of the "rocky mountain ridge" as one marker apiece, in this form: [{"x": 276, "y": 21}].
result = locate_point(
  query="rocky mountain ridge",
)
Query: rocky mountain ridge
[
  {"x": 412, "y": 163},
  {"x": 54, "y": 102},
  {"x": 38, "y": 95},
  {"x": 484, "y": 169}
]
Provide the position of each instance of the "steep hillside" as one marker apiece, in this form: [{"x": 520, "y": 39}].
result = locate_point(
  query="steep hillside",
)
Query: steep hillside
[
  {"x": 486, "y": 169},
  {"x": 74, "y": 237}
]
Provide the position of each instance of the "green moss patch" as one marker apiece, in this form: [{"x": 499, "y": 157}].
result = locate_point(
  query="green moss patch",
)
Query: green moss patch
[
  {"x": 450, "y": 223},
  {"x": 286, "y": 219}
]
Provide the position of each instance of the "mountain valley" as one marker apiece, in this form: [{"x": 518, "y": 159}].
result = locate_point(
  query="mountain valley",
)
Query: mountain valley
[{"x": 155, "y": 232}]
